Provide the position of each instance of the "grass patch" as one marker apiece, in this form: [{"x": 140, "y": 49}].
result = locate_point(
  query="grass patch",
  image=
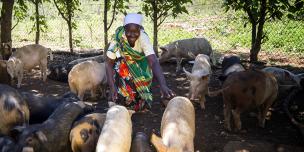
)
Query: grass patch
[{"x": 225, "y": 30}]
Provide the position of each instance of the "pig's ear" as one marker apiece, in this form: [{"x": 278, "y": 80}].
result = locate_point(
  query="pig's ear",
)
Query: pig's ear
[
  {"x": 158, "y": 143},
  {"x": 188, "y": 73},
  {"x": 131, "y": 112},
  {"x": 111, "y": 104},
  {"x": 163, "y": 48},
  {"x": 41, "y": 136},
  {"x": 176, "y": 44}
]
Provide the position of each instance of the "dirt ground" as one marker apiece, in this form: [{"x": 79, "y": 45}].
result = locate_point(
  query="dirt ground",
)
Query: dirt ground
[{"x": 211, "y": 136}]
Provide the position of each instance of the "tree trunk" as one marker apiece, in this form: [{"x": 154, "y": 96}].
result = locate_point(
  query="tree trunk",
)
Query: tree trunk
[
  {"x": 253, "y": 51},
  {"x": 259, "y": 36},
  {"x": 6, "y": 26},
  {"x": 105, "y": 24},
  {"x": 253, "y": 34},
  {"x": 69, "y": 20},
  {"x": 37, "y": 22},
  {"x": 155, "y": 30},
  {"x": 70, "y": 35}
]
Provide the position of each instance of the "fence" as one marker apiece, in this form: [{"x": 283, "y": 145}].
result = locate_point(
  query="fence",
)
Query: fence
[{"x": 205, "y": 19}]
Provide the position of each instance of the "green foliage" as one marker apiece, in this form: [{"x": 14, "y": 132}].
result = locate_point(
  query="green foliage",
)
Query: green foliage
[
  {"x": 67, "y": 9},
  {"x": 116, "y": 6},
  {"x": 275, "y": 8},
  {"x": 164, "y": 8},
  {"x": 20, "y": 11},
  {"x": 297, "y": 10},
  {"x": 119, "y": 5},
  {"x": 42, "y": 23},
  {"x": 42, "y": 18},
  {"x": 224, "y": 30},
  {"x": 258, "y": 12}
]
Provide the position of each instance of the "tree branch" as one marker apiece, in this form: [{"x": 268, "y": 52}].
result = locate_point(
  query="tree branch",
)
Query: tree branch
[
  {"x": 16, "y": 24},
  {"x": 161, "y": 21},
  {"x": 162, "y": 13},
  {"x": 113, "y": 15},
  {"x": 61, "y": 13},
  {"x": 248, "y": 11}
]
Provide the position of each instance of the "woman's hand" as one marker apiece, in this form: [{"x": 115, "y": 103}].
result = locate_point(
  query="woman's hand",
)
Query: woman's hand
[
  {"x": 110, "y": 71},
  {"x": 157, "y": 72},
  {"x": 165, "y": 92}
]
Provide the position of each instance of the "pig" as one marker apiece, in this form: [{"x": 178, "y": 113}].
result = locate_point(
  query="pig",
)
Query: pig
[
  {"x": 285, "y": 78},
  {"x": 230, "y": 64},
  {"x": 7, "y": 144},
  {"x": 42, "y": 107},
  {"x": 71, "y": 64},
  {"x": 245, "y": 90},
  {"x": 85, "y": 132},
  {"x": 88, "y": 75},
  {"x": 140, "y": 143},
  {"x": 14, "y": 110},
  {"x": 177, "y": 127},
  {"x": 6, "y": 50},
  {"x": 53, "y": 134},
  {"x": 117, "y": 130},
  {"x": 60, "y": 72},
  {"x": 199, "y": 78},
  {"x": 27, "y": 58},
  {"x": 186, "y": 48},
  {"x": 4, "y": 76}
]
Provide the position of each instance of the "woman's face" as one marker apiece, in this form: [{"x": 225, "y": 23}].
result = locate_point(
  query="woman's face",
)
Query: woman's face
[{"x": 132, "y": 32}]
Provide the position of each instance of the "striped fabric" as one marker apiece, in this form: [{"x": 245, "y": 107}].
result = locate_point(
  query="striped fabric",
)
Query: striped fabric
[{"x": 133, "y": 75}]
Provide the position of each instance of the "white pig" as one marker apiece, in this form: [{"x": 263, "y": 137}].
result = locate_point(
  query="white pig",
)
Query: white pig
[
  {"x": 186, "y": 48},
  {"x": 199, "y": 78},
  {"x": 117, "y": 131},
  {"x": 177, "y": 127},
  {"x": 87, "y": 75},
  {"x": 27, "y": 58}
]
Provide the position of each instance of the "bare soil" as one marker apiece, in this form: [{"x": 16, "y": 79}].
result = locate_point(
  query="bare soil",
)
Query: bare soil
[{"x": 210, "y": 133}]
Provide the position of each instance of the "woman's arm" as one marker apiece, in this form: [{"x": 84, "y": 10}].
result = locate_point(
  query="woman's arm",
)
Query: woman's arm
[
  {"x": 110, "y": 71},
  {"x": 157, "y": 72}
]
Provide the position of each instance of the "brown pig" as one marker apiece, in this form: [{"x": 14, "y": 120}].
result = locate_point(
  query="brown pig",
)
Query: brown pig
[
  {"x": 244, "y": 90},
  {"x": 85, "y": 132},
  {"x": 14, "y": 110}
]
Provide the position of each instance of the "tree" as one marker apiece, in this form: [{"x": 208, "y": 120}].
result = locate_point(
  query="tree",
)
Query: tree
[
  {"x": 20, "y": 12},
  {"x": 40, "y": 20},
  {"x": 297, "y": 10},
  {"x": 67, "y": 9},
  {"x": 257, "y": 13},
  {"x": 159, "y": 10},
  {"x": 6, "y": 26},
  {"x": 117, "y": 6}
]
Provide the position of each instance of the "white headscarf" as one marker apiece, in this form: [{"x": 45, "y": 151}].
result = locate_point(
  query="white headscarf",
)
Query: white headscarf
[{"x": 133, "y": 18}]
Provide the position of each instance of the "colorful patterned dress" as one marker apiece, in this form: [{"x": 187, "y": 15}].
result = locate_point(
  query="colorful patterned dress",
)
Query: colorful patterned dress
[{"x": 132, "y": 76}]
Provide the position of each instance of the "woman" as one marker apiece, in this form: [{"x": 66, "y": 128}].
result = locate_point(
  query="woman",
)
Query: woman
[{"x": 131, "y": 64}]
